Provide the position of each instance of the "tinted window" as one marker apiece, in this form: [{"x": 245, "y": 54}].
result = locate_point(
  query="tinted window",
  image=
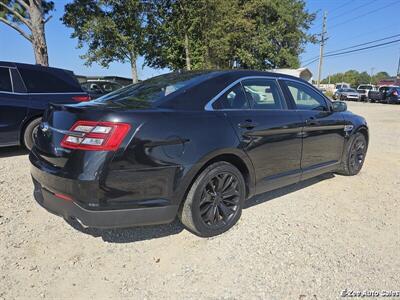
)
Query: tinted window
[
  {"x": 109, "y": 87},
  {"x": 234, "y": 98},
  {"x": 305, "y": 97},
  {"x": 18, "y": 85},
  {"x": 154, "y": 89},
  {"x": 91, "y": 87},
  {"x": 5, "y": 80},
  {"x": 262, "y": 93},
  {"x": 384, "y": 88},
  {"x": 49, "y": 80}
]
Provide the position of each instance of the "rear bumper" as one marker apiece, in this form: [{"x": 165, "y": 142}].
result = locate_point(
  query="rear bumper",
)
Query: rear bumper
[
  {"x": 103, "y": 218},
  {"x": 353, "y": 97},
  {"x": 119, "y": 200}
]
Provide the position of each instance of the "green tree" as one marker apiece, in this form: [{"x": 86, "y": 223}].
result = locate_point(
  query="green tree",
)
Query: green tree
[
  {"x": 379, "y": 76},
  {"x": 356, "y": 78},
  {"x": 200, "y": 34},
  {"x": 28, "y": 18},
  {"x": 112, "y": 30}
]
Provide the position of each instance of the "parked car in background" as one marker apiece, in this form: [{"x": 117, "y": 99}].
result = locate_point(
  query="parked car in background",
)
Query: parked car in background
[
  {"x": 341, "y": 85},
  {"x": 363, "y": 90},
  {"x": 25, "y": 92},
  {"x": 192, "y": 144},
  {"x": 99, "y": 88},
  {"x": 383, "y": 94},
  {"x": 346, "y": 94}
]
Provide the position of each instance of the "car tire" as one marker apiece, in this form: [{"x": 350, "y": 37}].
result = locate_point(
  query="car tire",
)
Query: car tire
[
  {"x": 215, "y": 200},
  {"x": 354, "y": 155},
  {"x": 30, "y": 131}
]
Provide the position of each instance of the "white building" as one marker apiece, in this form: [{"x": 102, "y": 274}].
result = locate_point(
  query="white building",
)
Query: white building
[{"x": 303, "y": 73}]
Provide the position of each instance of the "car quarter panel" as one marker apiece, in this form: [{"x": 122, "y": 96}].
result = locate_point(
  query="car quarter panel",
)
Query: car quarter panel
[{"x": 163, "y": 157}]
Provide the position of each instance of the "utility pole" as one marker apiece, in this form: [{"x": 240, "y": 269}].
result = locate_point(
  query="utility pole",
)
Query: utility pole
[
  {"x": 398, "y": 69},
  {"x": 372, "y": 74},
  {"x": 321, "y": 49}
]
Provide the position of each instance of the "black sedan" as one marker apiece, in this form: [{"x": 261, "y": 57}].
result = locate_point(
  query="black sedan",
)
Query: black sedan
[{"x": 193, "y": 144}]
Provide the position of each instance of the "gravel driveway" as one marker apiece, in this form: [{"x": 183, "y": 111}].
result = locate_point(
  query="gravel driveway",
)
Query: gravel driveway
[{"x": 309, "y": 241}]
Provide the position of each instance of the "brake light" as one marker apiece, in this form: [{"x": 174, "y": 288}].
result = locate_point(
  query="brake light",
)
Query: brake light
[
  {"x": 96, "y": 136},
  {"x": 81, "y": 98}
]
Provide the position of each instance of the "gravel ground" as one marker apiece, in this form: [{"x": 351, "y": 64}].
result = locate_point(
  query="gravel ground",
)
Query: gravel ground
[{"x": 308, "y": 241}]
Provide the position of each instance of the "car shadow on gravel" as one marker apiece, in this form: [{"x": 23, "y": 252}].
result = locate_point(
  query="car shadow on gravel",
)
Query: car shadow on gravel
[
  {"x": 135, "y": 234},
  {"x": 130, "y": 235},
  {"x": 12, "y": 151}
]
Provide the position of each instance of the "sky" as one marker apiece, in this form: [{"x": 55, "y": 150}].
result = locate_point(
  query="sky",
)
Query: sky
[{"x": 349, "y": 22}]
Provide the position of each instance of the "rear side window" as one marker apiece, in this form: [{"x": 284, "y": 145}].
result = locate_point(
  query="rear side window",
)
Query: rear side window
[
  {"x": 262, "y": 93},
  {"x": 305, "y": 97},
  {"x": 49, "y": 81},
  {"x": 5, "y": 80},
  {"x": 156, "y": 89},
  {"x": 233, "y": 98}
]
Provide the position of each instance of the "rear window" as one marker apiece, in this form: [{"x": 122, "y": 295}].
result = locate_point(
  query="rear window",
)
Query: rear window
[
  {"x": 5, "y": 80},
  {"x": 44, "y": 80},
  {"x": 155, "y": 89}
]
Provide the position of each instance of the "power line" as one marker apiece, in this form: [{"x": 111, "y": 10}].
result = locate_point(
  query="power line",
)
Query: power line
[
  {"x": 352, "y": 10},
  {"x": 354, "y": 46},
  {"x": 369, "y": 32},
  {"x": 362, "y": 44},
  {"x": 340, "y": 6},
  {"x": 333, "y": 10},
  {"x": 364, "y": 48},
  {"x": 363, "y": 15},
  {"x": 353, "y": 51}
]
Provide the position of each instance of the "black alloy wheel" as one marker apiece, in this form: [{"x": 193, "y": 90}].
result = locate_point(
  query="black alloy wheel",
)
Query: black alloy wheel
[
  {"x": 220, "y": 200},
  {"x": 215, "y": 200},
  {"x": 354, "y": 156},
  {"x": 357, "y": 154}
]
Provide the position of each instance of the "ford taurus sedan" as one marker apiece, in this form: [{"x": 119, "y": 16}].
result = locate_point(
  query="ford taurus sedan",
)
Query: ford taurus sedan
[{"x": 194, "y": 145}]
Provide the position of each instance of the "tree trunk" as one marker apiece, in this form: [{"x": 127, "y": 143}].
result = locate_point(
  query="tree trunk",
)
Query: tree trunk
[
  {"x": 38, "y": 34},
  {"x": 187, "y": 53},
  {"x": 135, "y": 78}
]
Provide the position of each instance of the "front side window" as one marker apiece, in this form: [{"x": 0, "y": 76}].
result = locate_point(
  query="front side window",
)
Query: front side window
[
  {"x": 262, "y": 93},
  {"x": 5, "y": 80},
  {"x": 305, "y": 97},
  {"x": 234, "y": 98}
]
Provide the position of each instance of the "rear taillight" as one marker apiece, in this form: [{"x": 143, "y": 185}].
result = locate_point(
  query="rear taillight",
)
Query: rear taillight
[
  {"x": 96, "y": 136},
  {"x": 395, "y": 93},
  {"x": 81, "y": 98}
]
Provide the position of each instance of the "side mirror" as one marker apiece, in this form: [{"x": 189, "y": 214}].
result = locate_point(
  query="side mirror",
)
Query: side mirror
[{"x": 339, "y": 106}]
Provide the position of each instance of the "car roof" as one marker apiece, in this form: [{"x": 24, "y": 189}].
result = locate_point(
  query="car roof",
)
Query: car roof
[
  {"x": 216, "y": 81},
  {"x": 11, "y": 64}
]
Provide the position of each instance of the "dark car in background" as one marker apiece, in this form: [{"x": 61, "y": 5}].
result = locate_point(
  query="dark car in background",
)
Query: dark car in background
[
  {"x": 192, "y": 144},
  {"x": 385, "y": 94},
  {"x": 98, "y": 88},
  {"x": 25, "y": 92}
]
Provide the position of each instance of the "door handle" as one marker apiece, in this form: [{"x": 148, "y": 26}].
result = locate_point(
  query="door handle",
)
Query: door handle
[
  {"x": 248, "y": 124},
  {"x": 312, "y": 122}
]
